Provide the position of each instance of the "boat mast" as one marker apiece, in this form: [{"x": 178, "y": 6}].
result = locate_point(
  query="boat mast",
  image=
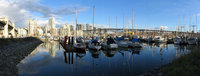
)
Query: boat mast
[
  {"x": 184, "y": 23},
  {"x": 128, "y": 28},
  {"x": 116, "y": 21},
  {"x": 132, "y": 20},
  {"x": 93, "y": 21},
  {"x": 196, "y": 25},
  {"x": 190, "y": 25},
  {"x": 108, "y": 23},
  {"x": 76, "y": 23},
  {"x": 123, "y": 24}
]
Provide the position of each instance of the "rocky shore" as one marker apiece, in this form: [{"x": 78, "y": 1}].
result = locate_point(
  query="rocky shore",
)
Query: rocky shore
[{"x": 12, "y": 51}]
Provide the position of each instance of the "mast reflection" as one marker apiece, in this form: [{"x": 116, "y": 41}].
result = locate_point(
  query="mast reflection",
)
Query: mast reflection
[{"x": 69, "y": 55}]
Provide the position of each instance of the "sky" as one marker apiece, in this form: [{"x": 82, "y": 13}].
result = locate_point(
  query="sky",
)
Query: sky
[{"x": 166, "y": 14}]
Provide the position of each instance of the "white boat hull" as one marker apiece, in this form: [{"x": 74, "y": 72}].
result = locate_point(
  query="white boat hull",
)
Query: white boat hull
[
  {"x": 134, "y": 45},
  {"x": 192, "y": 42},
  {"x": 111, "y": 46},
  {"x": 79, "y": 46},
  {"x": 91, "y": 46},
  {"x": 122, "y": 44}
]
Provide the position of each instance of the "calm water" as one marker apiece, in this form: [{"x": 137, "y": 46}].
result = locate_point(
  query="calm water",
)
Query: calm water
[{"x": 49, "y": 59}]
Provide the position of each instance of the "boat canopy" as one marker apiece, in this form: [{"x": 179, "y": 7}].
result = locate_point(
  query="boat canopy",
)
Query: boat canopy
[
  {"x": 135, "y": 40},
  {"x": 119, "y": 39},
  {"x": 110, "y": 41}
]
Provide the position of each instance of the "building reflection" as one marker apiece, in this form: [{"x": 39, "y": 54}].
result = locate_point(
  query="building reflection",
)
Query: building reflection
[
  {"x": 52, "y": 49},
  {"x": 51, "y": 46}
]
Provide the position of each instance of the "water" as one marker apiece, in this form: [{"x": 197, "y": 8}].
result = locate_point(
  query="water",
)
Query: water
[{"x": 49, "y": 59}]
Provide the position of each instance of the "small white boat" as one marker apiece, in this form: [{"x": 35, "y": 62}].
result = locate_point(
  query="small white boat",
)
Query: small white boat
[
  {"x": 192, "y": 41},
  {"x": 183, "y": 41},
  {"x": 151, "y": 40},
  {"x": 94, "y": 45},
  {"x": 122, "y": 42},
  {"x": 79, "y": 44},
  {"x": 87, "y": 41},
  {"x": 177, "y": 40},
  {"x": 109, "y": 45},
  {"x": 134, "y": 43},
  {"x": 159, "y": 39}
]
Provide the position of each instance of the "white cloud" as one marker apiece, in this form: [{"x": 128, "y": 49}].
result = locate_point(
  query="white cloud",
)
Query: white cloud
[
  {"x": 19, "y": 11},
  {"x": 198, "y": 14},
  {"x": 163, "y": 27}
]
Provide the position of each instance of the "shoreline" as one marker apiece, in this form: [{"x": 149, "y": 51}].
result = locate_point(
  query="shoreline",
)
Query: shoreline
[
  {"x": 13, "y": 51},
  {"x": 185, "y": 65}
]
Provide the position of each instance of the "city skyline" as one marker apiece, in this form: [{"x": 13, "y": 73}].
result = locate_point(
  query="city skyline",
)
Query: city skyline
[{"x": 146, "y": 13}]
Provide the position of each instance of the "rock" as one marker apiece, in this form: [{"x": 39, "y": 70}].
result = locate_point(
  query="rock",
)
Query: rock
[{"x": 12, "y": 54}]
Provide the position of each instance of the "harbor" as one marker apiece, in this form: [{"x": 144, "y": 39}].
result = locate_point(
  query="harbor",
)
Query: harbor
[
  {"x": 51, "y": 59},
  {"x": 99, "y": 38}
]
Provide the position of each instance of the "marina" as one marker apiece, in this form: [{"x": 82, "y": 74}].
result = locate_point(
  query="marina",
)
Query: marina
[
  {"x": 99, "y": 38},
  {"x": 51, "y": 59}
]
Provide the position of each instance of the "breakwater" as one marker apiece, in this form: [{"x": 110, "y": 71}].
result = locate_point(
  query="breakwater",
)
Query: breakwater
[{"x": 12, "y": 51}]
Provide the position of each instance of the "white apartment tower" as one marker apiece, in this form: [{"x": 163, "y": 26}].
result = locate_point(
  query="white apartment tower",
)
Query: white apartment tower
[
  {"x": 32, "y": 27},
  {"x": 52, "y": 23}
]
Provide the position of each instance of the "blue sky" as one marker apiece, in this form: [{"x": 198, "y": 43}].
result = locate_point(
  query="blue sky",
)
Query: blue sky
[{"x": 146, "y": 12}]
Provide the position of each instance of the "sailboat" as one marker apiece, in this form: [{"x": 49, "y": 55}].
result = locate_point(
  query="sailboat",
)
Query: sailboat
[
  {"x": 151, "y": 40},
  {"x": 134, "y": 43},
  {"x": 109, "y": 44},
  {"x": 159, "y": 39},
  {"x": 176, "y": 40},
  {"x": 79, "y": 42},
  {"x": 79, "y": 45},
  {"x": 192, "y": 41},
  {"x": 122, "y": 42},
  {"x": 94, "y": 43}
]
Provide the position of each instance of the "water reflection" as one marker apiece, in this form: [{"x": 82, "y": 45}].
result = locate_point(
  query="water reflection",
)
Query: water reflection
[{"x": 51, "y": 59}]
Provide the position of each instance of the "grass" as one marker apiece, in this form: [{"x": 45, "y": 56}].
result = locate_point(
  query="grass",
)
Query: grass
[
  {"x": 187, "y": 65},
  {"x": 7, "y": 41}
]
